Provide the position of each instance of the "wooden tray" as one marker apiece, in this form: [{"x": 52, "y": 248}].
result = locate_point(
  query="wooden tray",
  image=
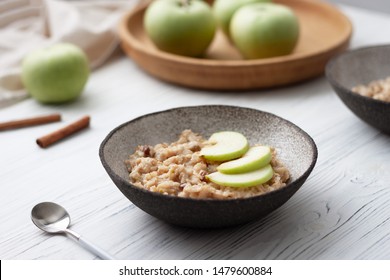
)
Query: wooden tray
[{"x": 325, "y": 31}]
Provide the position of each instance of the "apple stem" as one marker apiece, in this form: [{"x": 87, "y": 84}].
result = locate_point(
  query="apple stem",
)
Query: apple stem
[{"x": 185, "y": 3}]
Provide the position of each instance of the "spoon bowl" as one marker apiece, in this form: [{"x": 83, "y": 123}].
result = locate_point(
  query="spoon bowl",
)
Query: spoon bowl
[{"x": 50, "y": 217}]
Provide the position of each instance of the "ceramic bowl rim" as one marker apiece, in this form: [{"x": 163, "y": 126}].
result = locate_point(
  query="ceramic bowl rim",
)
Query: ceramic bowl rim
[
  {"x": 111, "y": 173},
  {"x": 333, "y": 81}
]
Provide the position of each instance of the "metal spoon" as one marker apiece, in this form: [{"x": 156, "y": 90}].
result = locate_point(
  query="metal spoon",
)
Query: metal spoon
[{"x": 53, "y": 218}]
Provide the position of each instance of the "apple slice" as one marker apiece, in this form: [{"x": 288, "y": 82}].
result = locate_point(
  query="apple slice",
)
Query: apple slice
[
  {"x": 248, "y": 179},
  {"x": 255, "y": 158},
  {"x": 227, "y": 145}
]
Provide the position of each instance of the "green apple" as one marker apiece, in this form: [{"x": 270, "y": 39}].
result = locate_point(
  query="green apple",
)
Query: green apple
[
  {"x": 55, "y": 74},
  {"x": 264, "y": 30},
  {"x": 183, "y": 27},
  {"x": 255, "y": 158},
  {"x": 227, "y": 145},
  {"x": 224, "y": 10},
  {"x": 248, "y": 179}
]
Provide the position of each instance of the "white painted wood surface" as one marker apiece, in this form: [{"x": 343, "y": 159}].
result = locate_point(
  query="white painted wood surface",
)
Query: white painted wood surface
[{"x": 341, "y": 212}]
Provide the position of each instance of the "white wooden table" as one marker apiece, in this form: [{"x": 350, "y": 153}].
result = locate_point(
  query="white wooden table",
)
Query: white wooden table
[{"x": 341, "y": 212}]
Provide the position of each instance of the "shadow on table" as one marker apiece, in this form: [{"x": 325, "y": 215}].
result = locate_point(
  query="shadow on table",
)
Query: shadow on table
[{"x": 266, "y": 238}]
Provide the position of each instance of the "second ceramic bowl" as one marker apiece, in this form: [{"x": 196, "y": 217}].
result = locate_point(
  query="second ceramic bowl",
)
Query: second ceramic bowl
[{"x": 361, "y": 66}]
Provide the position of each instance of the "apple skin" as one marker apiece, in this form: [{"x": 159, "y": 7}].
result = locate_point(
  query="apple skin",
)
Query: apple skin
[
  {"x": 255, "y": 158},
  {"x": 55, "y": 74},
  {"x": 224, "y": 10},
  {"x": 182, "y": 29},
  {"x": 228, "y": 145},
  {"x": 264, "y": 30},
  {"x": 242, "y": 180}
]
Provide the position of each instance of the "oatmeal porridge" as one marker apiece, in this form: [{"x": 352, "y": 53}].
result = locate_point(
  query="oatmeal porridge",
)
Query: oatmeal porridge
[
  {"x": 379, "y": 89},
  {"x": 178, "y": 169}
]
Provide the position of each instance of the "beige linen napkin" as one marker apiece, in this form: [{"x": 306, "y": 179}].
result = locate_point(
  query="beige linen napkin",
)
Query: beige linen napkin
[{"x": 29, "y": 24}]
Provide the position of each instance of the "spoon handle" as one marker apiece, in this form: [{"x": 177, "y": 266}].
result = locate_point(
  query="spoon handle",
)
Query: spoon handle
[
  {"x": 95, "y": 249},
  {"x": 89, "y": 245}
]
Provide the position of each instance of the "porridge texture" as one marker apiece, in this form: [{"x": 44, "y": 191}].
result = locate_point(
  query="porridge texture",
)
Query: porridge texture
[
  {"x": 178, "y": 169},
  {"x": 379, "y": 89}
]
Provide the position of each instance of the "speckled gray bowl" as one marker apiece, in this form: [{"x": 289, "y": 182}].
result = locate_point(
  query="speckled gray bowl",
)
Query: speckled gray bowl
[
  {"x": 296, "y": 149},
  {"x": 361, "y": 66}
]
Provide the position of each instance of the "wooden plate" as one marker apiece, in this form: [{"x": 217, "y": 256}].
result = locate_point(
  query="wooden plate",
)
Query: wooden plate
[{"x": 325, "y": 31}]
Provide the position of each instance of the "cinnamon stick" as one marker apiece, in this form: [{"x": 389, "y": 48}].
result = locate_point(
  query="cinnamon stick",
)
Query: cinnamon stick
[
  {"x": 30, "y": 122},
  {"x": 64, "y": 132}
]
